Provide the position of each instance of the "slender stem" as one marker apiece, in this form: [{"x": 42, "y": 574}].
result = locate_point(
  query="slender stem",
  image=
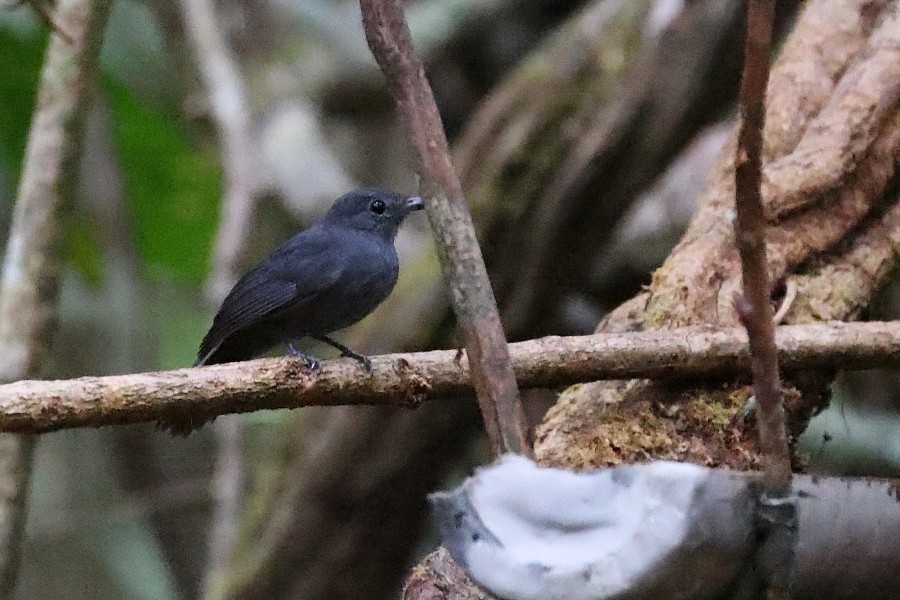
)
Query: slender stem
[
  {"x": 776, "y": 512},
  {"x": 755, "y": 308},
  {"x": 232, "y": 116},
  {"x": 228, "y": 487},
  {"x": 409, "y": 379},
  {"x": 461, "y": 260}
]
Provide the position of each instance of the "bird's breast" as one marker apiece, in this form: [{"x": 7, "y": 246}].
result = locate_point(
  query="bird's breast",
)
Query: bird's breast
[{"x": 369, "y": 273}]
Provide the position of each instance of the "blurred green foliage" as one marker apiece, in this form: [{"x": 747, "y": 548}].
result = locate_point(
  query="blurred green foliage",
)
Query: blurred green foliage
[
  {"x": 20, "y": 67},
  {"x": 172, "y": 188},
  {"x": 83, "y": 250}
]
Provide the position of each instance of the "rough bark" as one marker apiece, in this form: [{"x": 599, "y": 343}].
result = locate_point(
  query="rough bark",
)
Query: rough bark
[
  {"x": 438, "y": 577},
  {"x": 410, "y": 379},
  {"x": 557, "y": 155},
  {"x": 837, "y": 244},
  {"x": 844, "y": 236}
]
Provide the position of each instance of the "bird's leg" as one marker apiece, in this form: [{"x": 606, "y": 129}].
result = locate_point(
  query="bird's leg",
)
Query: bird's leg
[
  {"x": 345, "y": 351},
  {"x": 311, "y": 361}
]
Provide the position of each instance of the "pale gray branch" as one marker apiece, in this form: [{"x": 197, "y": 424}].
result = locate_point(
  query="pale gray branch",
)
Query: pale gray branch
[
  {"x": 231, "y": 113},
  {"x": 243, "y": 187},
  {"x": 30, "y": 280}
]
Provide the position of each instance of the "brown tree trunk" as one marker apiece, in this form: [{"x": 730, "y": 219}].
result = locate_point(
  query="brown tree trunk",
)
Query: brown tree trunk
[{"x": 832, "y": 135}]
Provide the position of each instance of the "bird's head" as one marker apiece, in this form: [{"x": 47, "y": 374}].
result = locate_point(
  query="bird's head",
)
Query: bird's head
[{"x": 375, "y": 210}]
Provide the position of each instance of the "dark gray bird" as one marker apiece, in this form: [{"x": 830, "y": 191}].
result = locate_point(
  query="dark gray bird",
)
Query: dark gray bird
[{"x": 320, "y": 280}]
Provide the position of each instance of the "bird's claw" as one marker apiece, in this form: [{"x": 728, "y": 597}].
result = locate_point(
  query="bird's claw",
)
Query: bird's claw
[
  {"x": 311, "y": 361},
  {"x": 364, "y": 360},
  {"x": 345, "y": 352}
]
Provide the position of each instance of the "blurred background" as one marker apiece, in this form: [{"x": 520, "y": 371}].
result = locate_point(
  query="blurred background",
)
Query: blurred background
[{"x": 583, "y": 131}]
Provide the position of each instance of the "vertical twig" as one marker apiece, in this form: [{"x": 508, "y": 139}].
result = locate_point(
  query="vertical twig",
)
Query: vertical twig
[
  {"x": 755, "y": 309},
  {"x": 776, "y": 512},
  {"x": 16, "y": 452},
  {"x": 231, "y": 113},
  {"x": 232, "y": 116},
  {"x": 29, "y": 285},
  {"x": 228, "y": 485},
  {"x": 461, "y": 261}
]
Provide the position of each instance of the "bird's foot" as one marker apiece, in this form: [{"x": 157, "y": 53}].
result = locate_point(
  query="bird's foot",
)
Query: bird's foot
[
  {"x": 364, "y": 360},
  {"x": 311, "y": 361},
  {"x": 345, "y": 351}
]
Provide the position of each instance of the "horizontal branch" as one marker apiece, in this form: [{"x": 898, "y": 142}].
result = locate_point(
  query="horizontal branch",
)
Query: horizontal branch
[{"x": 409, "y": 379}]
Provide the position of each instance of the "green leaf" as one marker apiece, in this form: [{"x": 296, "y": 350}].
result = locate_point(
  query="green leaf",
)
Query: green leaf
[
  {"x": 173, "y": 189},
  {"x": 20, "y": 65},
  {"x": 83, "y": 250}
]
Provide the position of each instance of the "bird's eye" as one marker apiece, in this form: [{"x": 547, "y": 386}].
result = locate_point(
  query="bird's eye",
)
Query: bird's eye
[{"x": 377, "y": 207}]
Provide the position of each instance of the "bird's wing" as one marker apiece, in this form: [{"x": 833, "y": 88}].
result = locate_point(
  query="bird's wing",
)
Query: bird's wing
[{"x": 265, "y": 291}]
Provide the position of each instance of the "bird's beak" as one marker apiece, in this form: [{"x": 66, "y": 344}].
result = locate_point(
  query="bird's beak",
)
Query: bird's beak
[{"x": 414, "y": 203}]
